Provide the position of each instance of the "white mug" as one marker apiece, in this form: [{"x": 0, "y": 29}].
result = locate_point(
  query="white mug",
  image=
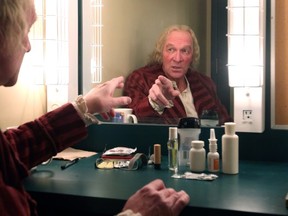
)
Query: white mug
[{"x": 124, "y": 115}]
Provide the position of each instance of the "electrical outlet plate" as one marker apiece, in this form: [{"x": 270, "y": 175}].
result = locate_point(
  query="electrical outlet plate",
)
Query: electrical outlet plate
[
  {"x": 247, "y": 115},
  {"x": 249, "y": 109}
]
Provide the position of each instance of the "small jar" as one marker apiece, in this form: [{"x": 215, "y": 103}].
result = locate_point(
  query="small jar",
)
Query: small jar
[{"x": 197, "y": 156}]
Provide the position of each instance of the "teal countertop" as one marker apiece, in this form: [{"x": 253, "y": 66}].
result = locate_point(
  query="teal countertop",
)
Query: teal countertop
[{"x": 259, "y": 189}]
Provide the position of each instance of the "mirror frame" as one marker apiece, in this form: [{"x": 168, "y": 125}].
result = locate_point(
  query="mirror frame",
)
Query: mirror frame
[{"x": 274, "y": 102}]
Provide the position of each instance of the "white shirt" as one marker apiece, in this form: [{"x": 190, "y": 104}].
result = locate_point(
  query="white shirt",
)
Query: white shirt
[
  {"x": 185, "y": 97},
  {"x": 188, "y": 102}
]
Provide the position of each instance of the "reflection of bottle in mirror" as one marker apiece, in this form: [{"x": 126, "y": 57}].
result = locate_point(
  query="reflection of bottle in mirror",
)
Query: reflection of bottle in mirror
[
  {"x": 188, "y": 130},
  {"x": 172, "y": 145},
  {"x": 209, "y": 118}
]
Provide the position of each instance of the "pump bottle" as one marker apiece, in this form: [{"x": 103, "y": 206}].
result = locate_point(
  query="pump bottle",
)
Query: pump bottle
[
  {"x": 213, "y": 155},
  {"x": 230, "y": 150}
]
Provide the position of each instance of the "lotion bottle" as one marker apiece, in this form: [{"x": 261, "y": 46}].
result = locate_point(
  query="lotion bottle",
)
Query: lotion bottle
[
  {"x": 213, "y": 155},
  {"x": 230, "y": 150}
]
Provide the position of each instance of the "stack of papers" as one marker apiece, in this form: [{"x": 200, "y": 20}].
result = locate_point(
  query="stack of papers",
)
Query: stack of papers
[{"x": 72, "y": 154}]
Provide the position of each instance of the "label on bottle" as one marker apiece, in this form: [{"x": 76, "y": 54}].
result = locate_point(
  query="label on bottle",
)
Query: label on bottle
[{"x": 213, "y": 164}]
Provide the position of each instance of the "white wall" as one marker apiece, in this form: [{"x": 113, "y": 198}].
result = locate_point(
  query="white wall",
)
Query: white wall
[{"x": 21, "y": 103}]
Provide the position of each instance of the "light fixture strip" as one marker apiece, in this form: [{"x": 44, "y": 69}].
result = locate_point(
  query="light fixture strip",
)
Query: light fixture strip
[
  {"x": 245, "y": 42},
  {"x": 96, "y": 43}
]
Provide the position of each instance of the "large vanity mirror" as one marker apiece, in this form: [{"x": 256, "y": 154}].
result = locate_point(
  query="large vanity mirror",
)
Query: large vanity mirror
[
  {"x": 279, "y": 65},
  {"x": 131, "y": 28}
]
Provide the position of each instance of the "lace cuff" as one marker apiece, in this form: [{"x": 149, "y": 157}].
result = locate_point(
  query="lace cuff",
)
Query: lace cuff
[
  {"x": 128, "y": 212},
  {"x": 82, "y": 109}
]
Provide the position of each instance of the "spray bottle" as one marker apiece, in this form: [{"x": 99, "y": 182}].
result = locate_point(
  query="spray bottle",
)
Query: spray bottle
[{"x": 213, "y": 155}]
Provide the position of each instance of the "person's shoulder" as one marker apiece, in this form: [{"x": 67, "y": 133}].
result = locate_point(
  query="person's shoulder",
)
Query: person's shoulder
[
  {"x": 147, "y": 70},
  {"x": 150, "y": 68},
  {"x": 196, "y": 75}
]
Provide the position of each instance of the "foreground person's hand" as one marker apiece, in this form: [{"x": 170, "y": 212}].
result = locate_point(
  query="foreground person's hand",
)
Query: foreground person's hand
[
  {"x": 155, "y": 199},
  {"x": 100, "y": 99}
]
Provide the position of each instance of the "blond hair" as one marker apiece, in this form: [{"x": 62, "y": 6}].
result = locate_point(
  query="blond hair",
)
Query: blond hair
[
  {"x": 13, "y": 24},
  {"x": 156, "y": 56}
]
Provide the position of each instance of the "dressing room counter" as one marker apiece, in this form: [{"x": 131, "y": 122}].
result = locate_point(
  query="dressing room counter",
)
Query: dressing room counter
[{"x": 259, "y": 189}]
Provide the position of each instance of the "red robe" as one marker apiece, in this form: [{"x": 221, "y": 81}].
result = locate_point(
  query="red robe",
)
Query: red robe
[
  {"x": 203, "y": 89},
  {"x": 27, "y": 146}
]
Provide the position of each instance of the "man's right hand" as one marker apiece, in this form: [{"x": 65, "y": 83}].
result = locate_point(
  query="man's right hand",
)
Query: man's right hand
[
  {"x": 162, "y": 91},
  {"x": 155, "y": 199}
]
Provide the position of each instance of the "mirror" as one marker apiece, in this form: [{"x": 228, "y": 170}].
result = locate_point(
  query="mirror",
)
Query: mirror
[
  {"x": 131, "y": 28},
  {"x": 279, "y": 66},
  {"x": 139, "y": 24}
]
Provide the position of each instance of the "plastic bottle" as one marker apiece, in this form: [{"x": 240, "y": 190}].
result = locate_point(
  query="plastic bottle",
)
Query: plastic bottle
[
  {"x": 213, "y": 155},
  {"x": 172, "y": 145},
  {"x": 230, "y": 150},
  {"x": 197, "y": 156},
  {"x": 188, "y": 130}
]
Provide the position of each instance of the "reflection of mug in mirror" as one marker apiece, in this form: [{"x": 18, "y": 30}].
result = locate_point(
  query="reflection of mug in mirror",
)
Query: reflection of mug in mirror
[{"x": 124, "y": 115}]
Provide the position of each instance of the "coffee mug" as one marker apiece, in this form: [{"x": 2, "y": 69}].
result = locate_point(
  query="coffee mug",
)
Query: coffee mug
[{"x": 124, "y": 115}]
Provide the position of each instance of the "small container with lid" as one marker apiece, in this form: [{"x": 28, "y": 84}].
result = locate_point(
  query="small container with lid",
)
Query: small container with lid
[
  {"x": 197, "y": 156},
  {"x": 157, "y": 156}
]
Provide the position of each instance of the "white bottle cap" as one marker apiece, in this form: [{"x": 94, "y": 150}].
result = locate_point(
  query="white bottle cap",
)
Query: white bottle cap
[
  {"x": 212, "y": 133},
  {"x": 173, "y": 132},
  {"x": 212, "y": 139},
  {"x": 198, "y": 144},
  {"x": 230, "y": 128},
  {"x": 213, "y": 147}
]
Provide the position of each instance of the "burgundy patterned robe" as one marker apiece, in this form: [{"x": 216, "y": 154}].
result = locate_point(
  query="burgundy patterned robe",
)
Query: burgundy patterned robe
[{"x": 203, "y": 90}]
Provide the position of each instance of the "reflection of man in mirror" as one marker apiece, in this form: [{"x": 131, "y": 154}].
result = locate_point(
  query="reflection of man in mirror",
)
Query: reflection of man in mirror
[{"x": 169, "y": 87}]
